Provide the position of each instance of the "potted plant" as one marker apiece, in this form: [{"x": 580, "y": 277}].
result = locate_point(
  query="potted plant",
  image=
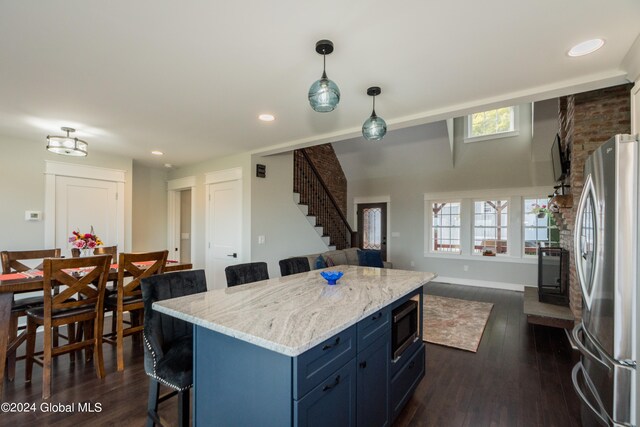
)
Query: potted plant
[
  {"x": 85, "y": 242},
  {"x": 540, "y": 211}
]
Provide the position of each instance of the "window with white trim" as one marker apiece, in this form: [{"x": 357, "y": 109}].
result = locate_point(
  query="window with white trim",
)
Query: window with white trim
[
  {"x": 501, "y": 122},
  {"x": 490, "y": 225},
  {"x": 539, "y": 226},
  {"x": 445, "y": 227}
]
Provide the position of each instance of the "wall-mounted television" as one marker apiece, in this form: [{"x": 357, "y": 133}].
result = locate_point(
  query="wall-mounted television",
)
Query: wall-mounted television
[{"x": 560, "y": 164}]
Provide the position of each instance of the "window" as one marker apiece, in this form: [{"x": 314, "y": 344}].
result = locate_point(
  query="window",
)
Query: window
[
  {"x": 445, "y": 227},
  {"x": 497, "y": 123},
  {"x": 539, "y": 226},
  {"x": 490, "y": 223}
]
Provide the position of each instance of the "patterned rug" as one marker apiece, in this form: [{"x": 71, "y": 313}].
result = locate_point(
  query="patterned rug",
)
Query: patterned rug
[{"x": 455, "y": 322}]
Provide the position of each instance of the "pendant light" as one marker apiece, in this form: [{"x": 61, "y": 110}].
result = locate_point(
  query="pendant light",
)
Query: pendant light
[
  {"x": 324, "y": 94},
  {"x": 374, "y": 128},
  {"x": 67, "y": 145}
]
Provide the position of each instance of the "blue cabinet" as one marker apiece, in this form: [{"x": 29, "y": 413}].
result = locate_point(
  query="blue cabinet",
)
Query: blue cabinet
[
  {"x": 330, "y": 403},
  {"x": 347, "y": 380},
  {"x": 373, "y": 384}
]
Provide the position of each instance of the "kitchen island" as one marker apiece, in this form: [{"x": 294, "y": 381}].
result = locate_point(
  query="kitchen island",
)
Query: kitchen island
[{"x": 296, "y": 351}]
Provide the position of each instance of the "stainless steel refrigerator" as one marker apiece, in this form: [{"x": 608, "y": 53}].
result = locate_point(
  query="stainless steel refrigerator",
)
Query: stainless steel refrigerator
[{"x": 606, "y": 245}]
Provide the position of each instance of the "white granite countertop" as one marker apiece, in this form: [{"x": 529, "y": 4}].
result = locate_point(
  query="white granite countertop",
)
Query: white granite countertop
[{"x": 291, "y": 314}]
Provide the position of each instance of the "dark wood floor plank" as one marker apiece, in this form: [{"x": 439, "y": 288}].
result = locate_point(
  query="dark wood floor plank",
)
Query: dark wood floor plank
[{"x": 507, "y": 382}]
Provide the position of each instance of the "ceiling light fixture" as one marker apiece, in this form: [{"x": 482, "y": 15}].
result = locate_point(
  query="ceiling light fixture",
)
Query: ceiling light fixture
[
  {"x": 324, "y": 94},
  {"x": 586, "y": 47},
  {"x": 374, "y": 128},
  {"x": 67, "y": 145},
  {"x": 157, "y": 153},
  {"x": 266, "y": 117}
]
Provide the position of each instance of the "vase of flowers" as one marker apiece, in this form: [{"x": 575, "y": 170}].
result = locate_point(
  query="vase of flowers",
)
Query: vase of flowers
[
  {"x": 85, "y": 242},
  {"x": 540, "y": 211}
]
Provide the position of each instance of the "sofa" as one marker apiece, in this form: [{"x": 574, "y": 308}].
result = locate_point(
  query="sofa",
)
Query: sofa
[{"x": 339, "y": 257}]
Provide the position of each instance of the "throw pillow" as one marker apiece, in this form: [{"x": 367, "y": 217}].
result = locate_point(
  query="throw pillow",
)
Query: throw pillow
[
  {"x": 329, "y": 261},
  {"x": 320, "y": 262},
  {"x": 370, "y": 258}
]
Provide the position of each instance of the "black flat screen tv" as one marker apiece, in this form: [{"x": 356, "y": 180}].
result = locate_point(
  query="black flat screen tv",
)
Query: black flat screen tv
[{"x": 558, "y": 160}]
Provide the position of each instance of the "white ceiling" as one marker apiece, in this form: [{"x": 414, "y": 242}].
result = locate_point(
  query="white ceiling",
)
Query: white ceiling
[{"x": 190, "y": 77}]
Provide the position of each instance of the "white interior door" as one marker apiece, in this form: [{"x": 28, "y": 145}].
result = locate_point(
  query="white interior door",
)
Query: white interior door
[
  {"x": 81, "y": 203},
  {"x": 225, "y": 228}
]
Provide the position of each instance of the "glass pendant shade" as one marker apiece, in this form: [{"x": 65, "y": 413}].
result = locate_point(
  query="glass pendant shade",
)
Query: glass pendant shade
[
  {"x": 374, "y": 128},
  {"x": 67, "y": 145},
  {"x": 324, "y": 95}
]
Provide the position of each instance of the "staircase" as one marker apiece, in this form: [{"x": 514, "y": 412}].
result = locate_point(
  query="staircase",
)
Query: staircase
[{"x": 319, "y": 205}]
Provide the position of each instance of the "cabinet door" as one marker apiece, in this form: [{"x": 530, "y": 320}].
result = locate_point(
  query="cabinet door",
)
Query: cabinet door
[
  {"x": 373, "y": 384},
  {"x": 332, "y": 403}
]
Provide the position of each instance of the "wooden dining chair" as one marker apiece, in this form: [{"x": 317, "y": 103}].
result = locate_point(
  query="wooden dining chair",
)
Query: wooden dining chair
[
  {"x": 63, "y": 309},
  {"x": 128, "y": 297},
  {"x": 12, "y": 262},
  {"x": 111, "y": 286}
]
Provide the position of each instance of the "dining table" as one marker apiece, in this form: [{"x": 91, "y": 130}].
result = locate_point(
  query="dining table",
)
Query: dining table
[{"x": 16, "y": 283}]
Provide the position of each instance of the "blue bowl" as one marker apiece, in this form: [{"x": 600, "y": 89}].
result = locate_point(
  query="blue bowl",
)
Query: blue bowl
[{"x": 331, "y": 276}]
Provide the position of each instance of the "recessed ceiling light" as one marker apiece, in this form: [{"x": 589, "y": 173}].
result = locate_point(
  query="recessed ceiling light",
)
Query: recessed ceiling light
[
  {"x": 586, "y": 47},
  {"x": 168, "y": 165},
  {"x": 267, "y": 117},
  {"x": 157, "y": 153}
]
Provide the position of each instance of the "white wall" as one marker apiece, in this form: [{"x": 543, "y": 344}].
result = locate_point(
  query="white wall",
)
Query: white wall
[
  {"x": 411, "y": 162},
  {"x": 199, "y": 194},
  {"x": 149, "y": 208},
  {"x": 275, "y": 216},
  {"x": 22, "y": 182}
]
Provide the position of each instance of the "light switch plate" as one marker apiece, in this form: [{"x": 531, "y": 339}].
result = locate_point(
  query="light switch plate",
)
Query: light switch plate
[{"x": 261, "y": 240}]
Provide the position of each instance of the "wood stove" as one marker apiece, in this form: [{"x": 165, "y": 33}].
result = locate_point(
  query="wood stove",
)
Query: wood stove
[{"x": 553, "y": 276}]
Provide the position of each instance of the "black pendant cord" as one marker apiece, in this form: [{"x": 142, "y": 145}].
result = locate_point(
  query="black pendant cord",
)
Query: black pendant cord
[
  {"x": 373, "y": 111},
  {"x": 324, "y": 65}
]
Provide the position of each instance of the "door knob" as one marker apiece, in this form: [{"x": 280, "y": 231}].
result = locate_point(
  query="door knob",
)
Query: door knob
[{"x": 233, "y": 255}]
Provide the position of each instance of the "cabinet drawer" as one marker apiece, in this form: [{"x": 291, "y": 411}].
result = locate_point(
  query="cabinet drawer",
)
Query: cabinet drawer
[
  {"x": 331, "y": 403},
  {"x": 405, "y": 382},
  {"x": 373, "y": 327},
  {"x": 316, "y": 364}
]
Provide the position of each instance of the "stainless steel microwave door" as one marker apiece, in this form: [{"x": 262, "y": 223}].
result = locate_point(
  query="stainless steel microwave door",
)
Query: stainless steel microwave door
[{"x": 587, "y": 241}]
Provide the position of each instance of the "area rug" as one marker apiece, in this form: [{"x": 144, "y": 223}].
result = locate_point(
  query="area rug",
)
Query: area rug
[{"x": 454, "y": 322}]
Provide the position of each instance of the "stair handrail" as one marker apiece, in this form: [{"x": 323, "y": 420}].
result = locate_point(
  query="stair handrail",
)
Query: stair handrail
[{"x": 326, "y": 189}]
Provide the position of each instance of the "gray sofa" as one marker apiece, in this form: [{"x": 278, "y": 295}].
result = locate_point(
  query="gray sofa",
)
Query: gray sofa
[{"x": 340, "y": 257}]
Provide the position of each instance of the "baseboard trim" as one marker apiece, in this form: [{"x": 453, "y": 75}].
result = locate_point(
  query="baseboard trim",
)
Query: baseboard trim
[{"x": 482, "y": 283}]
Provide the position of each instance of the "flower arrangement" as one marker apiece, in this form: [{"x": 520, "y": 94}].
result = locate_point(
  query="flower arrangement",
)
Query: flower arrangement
[
  {"x": 85, "y": 240},
  {"x": 541, "y": 211}
]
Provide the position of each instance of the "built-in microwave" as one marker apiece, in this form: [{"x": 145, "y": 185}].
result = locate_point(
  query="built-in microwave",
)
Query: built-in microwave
[{"x": 404, "y": 327}]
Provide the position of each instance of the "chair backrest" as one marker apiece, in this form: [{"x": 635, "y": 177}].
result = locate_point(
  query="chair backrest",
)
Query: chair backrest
[
  {"x": 294, "y": 265},
  {"x": 99, "y": 250},
  {"x": 239, "y": 274},
  {"x": 84, "y": 276},
  {"x": 11, "y": 259},
  {"x": 159, "y": 329},
  {"x": 139, "y": 265}
]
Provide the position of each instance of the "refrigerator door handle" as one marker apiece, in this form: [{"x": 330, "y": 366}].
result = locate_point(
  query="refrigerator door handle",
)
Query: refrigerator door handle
[
  {"x": 584, "y": 350},
  {"x": 598, "y": 412}
]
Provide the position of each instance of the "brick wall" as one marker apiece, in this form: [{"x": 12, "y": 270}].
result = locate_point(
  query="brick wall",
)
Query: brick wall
[
  {"x": 587, "y": 120},
  {"x": 325, "y": 160}
]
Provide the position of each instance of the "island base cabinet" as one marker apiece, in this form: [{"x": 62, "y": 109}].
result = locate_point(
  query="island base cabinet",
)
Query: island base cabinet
[
  {"x": 373, "y": 384},
  {"x": 332, "y": 403},
  {"x": 406, "y": 380}
]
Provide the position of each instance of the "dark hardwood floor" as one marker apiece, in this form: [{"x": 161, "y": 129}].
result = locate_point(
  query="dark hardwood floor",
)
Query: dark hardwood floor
[{"x": 520, "y": 376}]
